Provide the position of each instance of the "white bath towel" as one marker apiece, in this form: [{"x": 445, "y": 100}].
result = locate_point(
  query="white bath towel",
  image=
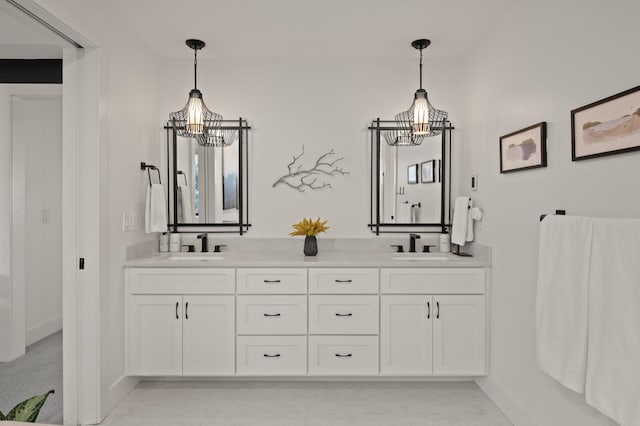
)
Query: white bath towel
[
  {"x": 155, "y": 215},
  {"x": 613, "y": 368},
  {"x": 460, "y": 220},
  {"x": 562, "y": 298},
  {"x": 185, "y": 213}
]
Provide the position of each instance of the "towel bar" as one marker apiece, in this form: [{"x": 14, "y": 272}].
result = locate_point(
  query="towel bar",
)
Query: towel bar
[
  {"x": 147, "y": 167},
  {"x": 558, "y": 212}
]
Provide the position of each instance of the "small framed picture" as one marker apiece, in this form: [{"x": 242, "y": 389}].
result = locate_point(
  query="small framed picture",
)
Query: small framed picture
[
  {"x": 427, "y": 171},
  {"x": 412, "y": 173},
  {"x": 524, "y": 149},
  {"x": 606, "y": 127}
]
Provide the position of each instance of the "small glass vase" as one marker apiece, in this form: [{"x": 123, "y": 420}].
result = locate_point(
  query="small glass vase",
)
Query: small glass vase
[{"x": 310, "y": 245}]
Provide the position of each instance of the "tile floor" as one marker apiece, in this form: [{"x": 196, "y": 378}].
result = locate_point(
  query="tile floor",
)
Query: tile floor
[{"x": 194, "y": 403}]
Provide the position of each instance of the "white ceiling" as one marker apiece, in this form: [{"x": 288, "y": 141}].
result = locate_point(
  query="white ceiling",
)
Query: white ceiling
[{"x": 302, "y": 28}]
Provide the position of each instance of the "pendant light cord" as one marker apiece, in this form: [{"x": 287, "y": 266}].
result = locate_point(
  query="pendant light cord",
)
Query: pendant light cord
[
  {"x": 420, "y": 68},
  {"x": 195, "y": 69}
]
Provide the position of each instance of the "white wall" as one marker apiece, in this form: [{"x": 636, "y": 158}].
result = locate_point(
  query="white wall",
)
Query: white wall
[
  {"x": 542, "y": 60},
  {"x": 321, "y": 104},
  {"x": 37, "y": 131}
]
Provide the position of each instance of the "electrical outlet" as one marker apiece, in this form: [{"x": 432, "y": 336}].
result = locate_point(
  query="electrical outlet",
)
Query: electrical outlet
[
  {"x": 46, "y": 216},
  {"x": 129, "y": 221},
  {"x": 474, "y": 182}
]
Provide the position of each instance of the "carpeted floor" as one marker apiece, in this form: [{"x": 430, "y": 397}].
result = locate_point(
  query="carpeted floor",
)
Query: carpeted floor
[{"x": 35, "y": 373}]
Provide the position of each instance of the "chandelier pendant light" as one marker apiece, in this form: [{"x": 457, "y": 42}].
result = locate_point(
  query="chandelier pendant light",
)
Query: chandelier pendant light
[
  {"x": 195, "y": 120},
  {"x": 421, "y": 120}
]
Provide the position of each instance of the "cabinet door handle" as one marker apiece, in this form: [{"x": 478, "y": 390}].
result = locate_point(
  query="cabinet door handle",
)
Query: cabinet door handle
[
  {"x": 428, "y": 310},
  {"x": 344, "y": 355},
  {"x": 271, "y": 315},
  {"x": 344, "y": 281},
  {"x": 271, "y": 355},
  {"x": 186, "y": 310},
  {"x": 338, "y": 314},
  {"x": 438, "y": 310},
  {"x": 271, "y": 281},
  {"x": 177, "y": 303}
]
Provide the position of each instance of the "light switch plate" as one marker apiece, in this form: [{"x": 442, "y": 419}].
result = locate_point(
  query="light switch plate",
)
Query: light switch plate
[
  {"x": 129, "y": 221},
  {"x": 46, "y": 216}
]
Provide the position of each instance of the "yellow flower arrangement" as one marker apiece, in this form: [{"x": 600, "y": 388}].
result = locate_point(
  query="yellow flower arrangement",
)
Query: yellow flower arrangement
[{"x": 309, "y": 228}]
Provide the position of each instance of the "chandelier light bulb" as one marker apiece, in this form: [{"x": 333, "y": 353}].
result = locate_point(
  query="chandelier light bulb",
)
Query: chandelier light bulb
[
  {"x": 195, "y": 113},
  {"x": 420, "y": 107}
]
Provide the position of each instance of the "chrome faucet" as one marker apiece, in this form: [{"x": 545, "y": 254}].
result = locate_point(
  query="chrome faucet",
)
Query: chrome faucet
[
  {"x": 205, "y": 246},
  {"x": 412, "y": 242}
]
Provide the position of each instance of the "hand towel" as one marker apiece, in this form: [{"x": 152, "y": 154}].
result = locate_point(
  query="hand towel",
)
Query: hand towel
[
  {"x": 562, "y": 297},
  {"x": 155, "y": 215},
  {"x": 185, "y": 212},
  {"x": 613, "y": 368},
  {"x": 460, "y": 220}
]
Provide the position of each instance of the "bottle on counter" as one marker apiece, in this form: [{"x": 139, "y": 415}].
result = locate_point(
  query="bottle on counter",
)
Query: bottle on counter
[
  {"x": 445, "y": 245},
  {"x": 164, "y": 242},
  {"x": 174, "y": 243}
]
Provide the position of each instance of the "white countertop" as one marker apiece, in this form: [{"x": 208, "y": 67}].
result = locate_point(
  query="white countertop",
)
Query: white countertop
[{"x": 326, "y": 258}]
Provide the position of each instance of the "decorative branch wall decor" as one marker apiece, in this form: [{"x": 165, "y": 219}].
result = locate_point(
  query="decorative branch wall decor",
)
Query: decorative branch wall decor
[{"x": 315, "y": 176}]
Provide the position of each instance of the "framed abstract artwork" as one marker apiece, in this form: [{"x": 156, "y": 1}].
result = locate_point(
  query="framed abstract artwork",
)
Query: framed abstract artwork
[
  {"x": 427, "y": 171},
  {"x": 524, "y": 149},
  {"x": 606, "y": 127},
  {"x": 412, "y": 174}
]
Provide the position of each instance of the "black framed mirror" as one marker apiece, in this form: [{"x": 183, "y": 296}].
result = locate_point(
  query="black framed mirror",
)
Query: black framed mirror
[
  {"x": 410, "y": 185},
  {"x": 208, "y": 185}
]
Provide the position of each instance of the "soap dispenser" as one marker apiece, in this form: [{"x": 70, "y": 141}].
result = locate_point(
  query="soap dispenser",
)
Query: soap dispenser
[{"x": 445, "y": 245}]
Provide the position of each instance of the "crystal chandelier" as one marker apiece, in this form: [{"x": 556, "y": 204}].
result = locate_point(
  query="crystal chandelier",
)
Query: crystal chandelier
[
  {"x": 421, "y": 120},
  {"x": 195, "y": 120}
]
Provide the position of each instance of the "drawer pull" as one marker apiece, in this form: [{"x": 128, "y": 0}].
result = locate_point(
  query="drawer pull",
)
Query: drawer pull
[
  {"x": 272, "y": 281},
  {"x": 271, "y": 355},
  {"x": 438, "y": 311},
  {"x": 177, "y": 317},
  {"x": 338, "y": 314},
  {"x": 186, "y": 311},
  {"x": 344, "y": 355},
  {"x": 344, "y": 281},
  {"x": 272, "y": 315},
  {"x": 428, "y": 310}
]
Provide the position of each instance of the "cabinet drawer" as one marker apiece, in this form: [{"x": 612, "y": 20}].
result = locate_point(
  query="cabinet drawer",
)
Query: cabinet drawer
[
  {"x": 182, "y": 280},
  {"x": 271, "y": 315},
  {"x": 432, "y": 281},
  {"x": 271, "y": 355},
  {"x": 346, "y": 280},
  {"x": 272, "y": 280},
  {"x": 343, "y": 314},
  {"x": 343, "y": 355}
]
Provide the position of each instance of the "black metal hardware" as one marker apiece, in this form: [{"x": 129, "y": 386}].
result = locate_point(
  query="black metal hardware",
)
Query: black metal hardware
[
  {"x": 344, "y": 355},
  {"x": 147, "y": 167},
  {"x": 412, "y": 242},
  {"x": 558, "y": 212},
  {"x": 344, "y": 281},
  {"x": 271, "y": 281},
  {"x": 427, "y": 249},
  {"x": 271, "y": 356},
  {"x": 399, "y": 248},
  {"x": 217, "y": 247},
  {"x": 437, "y": 310},
  {"x": 344, "y": 315},
  {"x": 177, "y": 317},
  {"x": 205, "y": 240},
  {"x": 191, "y": 248},
  {"x": 180, "y": 172},
  {"x": 81, "y": 263},
  {"x": 428, "y": 310},
  {"x": 186, "y": 310},
  {"x": 271, "y": 315}
]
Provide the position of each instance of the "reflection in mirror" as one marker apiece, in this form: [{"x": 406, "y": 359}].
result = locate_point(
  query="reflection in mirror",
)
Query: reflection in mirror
[
  {"x": 209, "y": 183},
  {"x": 410, "y": 184}
]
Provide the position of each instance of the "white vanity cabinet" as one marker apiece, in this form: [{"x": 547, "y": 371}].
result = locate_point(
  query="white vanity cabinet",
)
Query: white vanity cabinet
[
  {"x": 432, "y": 322},
  {"x": 170, "y": 333}
]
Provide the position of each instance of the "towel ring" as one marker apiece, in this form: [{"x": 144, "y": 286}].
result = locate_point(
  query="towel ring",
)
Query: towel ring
[{"x": 147, "y": 167}]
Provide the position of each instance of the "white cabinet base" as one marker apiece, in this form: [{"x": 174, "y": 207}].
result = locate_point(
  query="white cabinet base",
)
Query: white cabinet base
[
  {"x": 343, "y": 355},
  {"x": 271, "y": 355}
]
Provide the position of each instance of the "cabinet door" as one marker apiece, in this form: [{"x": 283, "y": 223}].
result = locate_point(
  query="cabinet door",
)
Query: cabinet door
[
  {"x": 406, "y": 335},
  {"x": 459, "y": 335},
  {"x": 208, "y": 344},
  {"x": 155, "y": 335}
]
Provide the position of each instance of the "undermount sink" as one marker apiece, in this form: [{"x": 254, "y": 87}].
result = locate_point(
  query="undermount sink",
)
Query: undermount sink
[
  {"x": 420, "y": 256},
  {"x": 188, "y": 257}
]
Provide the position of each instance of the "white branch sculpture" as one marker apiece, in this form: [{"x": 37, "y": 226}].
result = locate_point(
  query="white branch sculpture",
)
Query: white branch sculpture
[{"x": 301, "y": 178}]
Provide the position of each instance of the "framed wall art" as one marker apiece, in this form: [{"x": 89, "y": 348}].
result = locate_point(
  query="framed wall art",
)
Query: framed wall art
[
  {"x": 427, "y": 171},
  {"x": 606, "y": 127},
  {"x": 412, "y": 173},
  {"x": 524, "y": 149}
]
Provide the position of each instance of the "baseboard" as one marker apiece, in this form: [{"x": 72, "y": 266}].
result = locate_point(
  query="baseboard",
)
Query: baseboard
[
  {"x": 505, "y": 403},
  {"x": 119, "y": 389},
  {"x": 44, "y": 329}
]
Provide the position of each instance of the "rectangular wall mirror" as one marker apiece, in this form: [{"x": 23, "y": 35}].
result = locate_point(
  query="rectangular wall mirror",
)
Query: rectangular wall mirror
[
  {"x": 208, "y": 185},
  {"x": 410, "y": 185}
]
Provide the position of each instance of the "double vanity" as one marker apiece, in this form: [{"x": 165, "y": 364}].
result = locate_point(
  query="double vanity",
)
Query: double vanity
[{"x": 281, "y": 314}]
